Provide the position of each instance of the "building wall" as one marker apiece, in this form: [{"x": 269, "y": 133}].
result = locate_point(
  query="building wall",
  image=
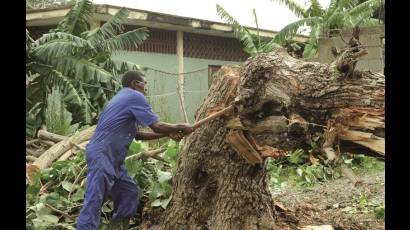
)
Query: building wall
[
  {"x": 162, "y": 86},
  {"x": 372, "y": 37}
]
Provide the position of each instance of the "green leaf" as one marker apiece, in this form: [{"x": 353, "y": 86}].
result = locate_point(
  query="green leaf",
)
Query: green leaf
[
  {"x": 126, "y": 41},
  {"x": 365, "y": 6},
  {"x": 68, "y": 186},
  {"x": 81, "y": 69},
  {"x": 296, "y": 156},
  {"x": 165, "y": 202},
  {"x": 78, "y": 195},
  {"x": 41, "y": 209},
  {"x": 76, "y": 20},
  {"x": 240, "y": 32},
  {"x": 135, "y": 147},
  {"x": 156, "y": 191},
  {"x": 110, "y": 28},
  {"x": 163, "y": 176},
  {"x": 307, "y": 179},
  {"x": 44, "y": 220},
  {"x": 156, "y": 203},
  {"x": 290, "y": 30},
  {"x": 299, "y": 171}
]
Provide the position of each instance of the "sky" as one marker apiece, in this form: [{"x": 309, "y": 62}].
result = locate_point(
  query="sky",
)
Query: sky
[{"x": 271, "y": 14}]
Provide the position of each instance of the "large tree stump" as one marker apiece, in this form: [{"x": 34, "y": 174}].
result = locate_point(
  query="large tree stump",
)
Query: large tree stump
[{"x": 279, "y": 102}]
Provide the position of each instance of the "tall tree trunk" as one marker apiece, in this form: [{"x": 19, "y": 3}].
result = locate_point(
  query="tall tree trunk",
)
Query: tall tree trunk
[{"x": 276, "y": 99}]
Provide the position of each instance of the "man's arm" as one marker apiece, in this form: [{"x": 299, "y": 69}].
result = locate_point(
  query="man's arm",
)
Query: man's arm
[
  {"x": 152, "y": 136},
  {"x": 149, "y": 136},
  {"x": 167, "y": 128}
]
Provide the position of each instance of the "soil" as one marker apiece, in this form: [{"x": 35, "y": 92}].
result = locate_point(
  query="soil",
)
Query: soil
[
  {"x": 324, "y": 204},
  {"x": 329, "y": 203}
]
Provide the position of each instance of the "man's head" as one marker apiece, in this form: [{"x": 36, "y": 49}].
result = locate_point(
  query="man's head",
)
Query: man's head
[{"x": 134, "y": 80}]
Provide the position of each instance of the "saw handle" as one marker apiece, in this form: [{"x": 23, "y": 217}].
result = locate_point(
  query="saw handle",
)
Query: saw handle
[{"x": 211, "y": 117}]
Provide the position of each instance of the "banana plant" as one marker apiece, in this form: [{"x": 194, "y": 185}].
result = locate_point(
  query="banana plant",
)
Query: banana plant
[
  {"x": 253, "y": 44},
  {"x": 340, "y": 14},
  {"x": 78, "y": 62}
]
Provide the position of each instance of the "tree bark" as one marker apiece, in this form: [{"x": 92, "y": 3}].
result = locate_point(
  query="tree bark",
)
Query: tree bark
[
  {"x": 43, "y": 134},
  {"x": 73, "y": 151},
  {"x": 279, "y": 102}
]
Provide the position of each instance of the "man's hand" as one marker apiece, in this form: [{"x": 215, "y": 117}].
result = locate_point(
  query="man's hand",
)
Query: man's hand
[
  {"x": 186, "y": 128},
  {"x": 176, "y": 136}
]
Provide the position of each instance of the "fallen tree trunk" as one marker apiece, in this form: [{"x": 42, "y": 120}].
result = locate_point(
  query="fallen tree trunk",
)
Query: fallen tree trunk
[
  {"x": 45, "y": 135},
  {"x": 49, "y": 156},
  {"x": 279, "y": 103},
  {"x": 73, "y": 151}
]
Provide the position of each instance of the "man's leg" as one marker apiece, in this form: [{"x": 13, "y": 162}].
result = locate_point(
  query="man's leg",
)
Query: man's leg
[
  {"x": 124, "y": 194},
  {"x": 98, "y": 184}
]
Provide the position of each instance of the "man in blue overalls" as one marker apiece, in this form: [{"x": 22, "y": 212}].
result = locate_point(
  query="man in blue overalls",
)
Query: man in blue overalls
[{"x": 105, "y": 153}]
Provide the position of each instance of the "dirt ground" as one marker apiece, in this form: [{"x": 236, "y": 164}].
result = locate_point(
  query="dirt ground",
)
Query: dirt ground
[
  {"x": 338, "y": 203},
  {"x": 334, "y": 203}
]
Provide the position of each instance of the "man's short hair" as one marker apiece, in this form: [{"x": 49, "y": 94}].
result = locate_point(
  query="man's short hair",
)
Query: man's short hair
[{"x": 130, "y": 76}]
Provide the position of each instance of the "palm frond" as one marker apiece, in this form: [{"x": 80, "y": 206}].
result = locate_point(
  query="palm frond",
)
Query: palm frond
[
  {"x": 293, "y": 6},
  {"x": 312, "y": 46},
  {"x": 117, "y": 67},
  {"x": 315, "y": 9},
  {"x": 362, "y": 18},
  {"x": 126, "y": 41},
  {"x": 334, "y": 6},
  {"x": 365, "y": 6},
  {"x": 86, "y": 107},
  {"x": 53, "y": 77},
  {"x": 257, "y": 27},
  {"x": 57, "y": 117},
  {"x": 269, "y": 47},
  {"x": 29, "y": 41},
  {"x": 240, "y": 32},
  {"x": 290, "y": 30},
  {"x": 80, "y": 42},
  {"x": 57, "y": 48},
  {"x": 336, "y": 20},
  {"x": 81, "y": 69},
  {"x": 309, "y": 51},
  {"x": 110, "y": 28},
  {"x": 76, "y": 21},
  {"x": 33, "y": 120},
  {"x": 370, "y": 22}
]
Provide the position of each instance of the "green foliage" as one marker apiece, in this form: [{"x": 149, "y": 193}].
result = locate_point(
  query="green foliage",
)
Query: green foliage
[
  {"x": 62, "y": 187},
  {"x": 296, "y": 169},
  {"x": 253, "y": 43},
  {"x": 77, "y": 62},
  {"x": 364, "y": 204},
  {"x": 57, "y": 118},
  {"x": 363, "y": 164},
  {"x": 339, "y": 14},
  {"x": 379, "y": 212}
]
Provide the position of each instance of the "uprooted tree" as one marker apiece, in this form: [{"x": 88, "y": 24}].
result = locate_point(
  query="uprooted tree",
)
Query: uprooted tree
[{"x": 279, "y": 102}]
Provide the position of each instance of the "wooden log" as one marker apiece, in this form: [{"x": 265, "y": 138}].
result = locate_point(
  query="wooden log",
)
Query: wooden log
[
  {"x": 45, "y": 135},
  {"x": 35, "y": 153},
  {"x": 31, "y": 158},
  {"x": 63, "y": 146},
  {"x": 368, "y": 140},
  {"x": 47, "y": 143},
  {"x": 73, "y": 151},
  {"x": 31, "y": 141}
]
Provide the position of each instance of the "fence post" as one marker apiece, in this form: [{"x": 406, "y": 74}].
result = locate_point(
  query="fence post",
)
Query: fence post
[{"x": 180, "y": 82}]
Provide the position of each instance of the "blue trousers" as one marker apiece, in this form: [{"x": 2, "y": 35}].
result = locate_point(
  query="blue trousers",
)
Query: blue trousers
[{"x": 101, "y": 185}]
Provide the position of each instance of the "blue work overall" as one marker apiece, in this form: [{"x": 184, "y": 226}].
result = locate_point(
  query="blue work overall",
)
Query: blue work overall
[{"x": 105, "y": 155}]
